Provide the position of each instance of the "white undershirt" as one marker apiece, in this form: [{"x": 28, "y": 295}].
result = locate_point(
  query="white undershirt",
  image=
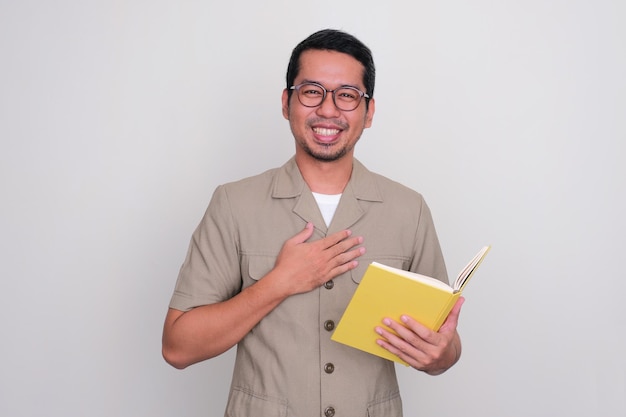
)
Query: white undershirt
[{"x": 327, "y": 204}]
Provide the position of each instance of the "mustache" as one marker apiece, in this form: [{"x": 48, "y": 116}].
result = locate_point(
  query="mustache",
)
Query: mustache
[{"x": 321, "y": 120}]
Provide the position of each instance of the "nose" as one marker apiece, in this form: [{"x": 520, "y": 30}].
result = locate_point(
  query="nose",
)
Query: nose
[{"x": 327, "y": 108}]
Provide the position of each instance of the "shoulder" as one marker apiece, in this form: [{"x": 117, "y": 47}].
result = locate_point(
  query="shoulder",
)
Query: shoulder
[
  {"x": 253, "y": 181},
  {"x": 281, "y": 182},
  {"x": 244, "y": 190},
  {"x": 377, "y": 186}
]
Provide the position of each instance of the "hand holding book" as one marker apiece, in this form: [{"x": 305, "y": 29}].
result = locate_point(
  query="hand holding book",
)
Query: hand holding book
[{"x": 385, "y": 291}]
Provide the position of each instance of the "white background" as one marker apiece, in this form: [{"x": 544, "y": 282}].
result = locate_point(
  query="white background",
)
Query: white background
[{"x": 119, "y": 118}]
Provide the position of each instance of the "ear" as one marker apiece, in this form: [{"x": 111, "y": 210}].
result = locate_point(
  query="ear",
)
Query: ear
[
  {"x": 285, "y": 100},
  {"x": 369, "y": 116}
]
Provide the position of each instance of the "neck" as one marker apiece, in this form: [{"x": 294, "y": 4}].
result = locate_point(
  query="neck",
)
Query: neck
[{"x": 326, "y": 177}]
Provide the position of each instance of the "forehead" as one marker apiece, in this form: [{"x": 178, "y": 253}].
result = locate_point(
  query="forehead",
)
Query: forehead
[{"x": 330, "y": 68}]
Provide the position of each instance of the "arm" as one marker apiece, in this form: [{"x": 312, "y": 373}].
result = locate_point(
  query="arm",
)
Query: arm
[
  {"x": 207, "y": 331},
  {"x": 422, "y": 348}
]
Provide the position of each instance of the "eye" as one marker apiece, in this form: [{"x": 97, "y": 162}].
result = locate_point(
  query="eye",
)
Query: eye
[
  {"x": 311, "y": 91},
  {"x": 348, "y": 94}
]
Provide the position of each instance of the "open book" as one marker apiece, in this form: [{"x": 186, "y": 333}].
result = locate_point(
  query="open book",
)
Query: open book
[{"x": 385, "y": 291}]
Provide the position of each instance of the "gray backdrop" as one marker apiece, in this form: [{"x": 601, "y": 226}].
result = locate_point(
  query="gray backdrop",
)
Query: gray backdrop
[{"x": 118, "y": 119}]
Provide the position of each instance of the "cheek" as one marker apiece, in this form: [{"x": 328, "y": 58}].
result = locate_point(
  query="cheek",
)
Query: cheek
[{"x": 297, "y": 117}]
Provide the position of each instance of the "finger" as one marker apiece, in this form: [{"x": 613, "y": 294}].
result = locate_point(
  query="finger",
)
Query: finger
[
  {"x": 342, "y": 268},
  {"x": 400, "y": 347},
  {"x": 449, "y": 325},
  {"x": 342, "y": 262},
  {"x": 345, "y": 257},
  {"x": 342, "y": 250},
  {"x": 452, "y": 321},
  {"x": 411, "y": 331},
  {"x": 412, "y": 361},
  {"x": 332, "y": 240},
  {"x": 303, "y": 235}
]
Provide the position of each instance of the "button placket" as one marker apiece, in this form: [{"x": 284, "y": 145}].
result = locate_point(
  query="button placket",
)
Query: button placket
[{"x": 329, "y": 367}]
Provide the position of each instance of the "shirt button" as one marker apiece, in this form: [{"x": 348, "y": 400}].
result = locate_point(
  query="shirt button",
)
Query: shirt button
[
  {"x": 329, "y": 285},
  {"x": 329, "y": 325},
  {"x": 329, "y": 368},
  {"x": 329, "y": 412}
]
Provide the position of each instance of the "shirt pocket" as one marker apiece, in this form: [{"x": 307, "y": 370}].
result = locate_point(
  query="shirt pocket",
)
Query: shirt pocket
[
  {"x": 390, "y": 407},
  {"x": 255, "y": 267},
  {"x": 364, "y": 262},
  {"x": 244, "y": 403}
]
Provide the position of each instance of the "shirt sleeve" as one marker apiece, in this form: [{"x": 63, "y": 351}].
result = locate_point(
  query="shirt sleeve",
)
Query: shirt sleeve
[
  {"x": 211, "y": 270},
  {"x": 428, "y": 259}
]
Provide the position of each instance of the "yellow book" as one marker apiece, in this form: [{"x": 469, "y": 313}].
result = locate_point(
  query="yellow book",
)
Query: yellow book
[{"x": 385, "y": 291}]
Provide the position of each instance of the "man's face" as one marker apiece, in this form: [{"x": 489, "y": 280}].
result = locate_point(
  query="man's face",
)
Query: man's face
[{"x": 326, "y": 133}]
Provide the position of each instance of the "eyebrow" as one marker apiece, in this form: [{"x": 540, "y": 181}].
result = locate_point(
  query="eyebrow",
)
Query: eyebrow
[{"x": 306, "y": 80}]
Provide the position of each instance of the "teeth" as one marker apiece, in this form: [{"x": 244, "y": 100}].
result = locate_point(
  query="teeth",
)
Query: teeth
[{"x": 325, "y": 132}]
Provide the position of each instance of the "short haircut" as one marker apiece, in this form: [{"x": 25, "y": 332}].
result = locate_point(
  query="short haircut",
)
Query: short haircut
[{"x": 334, "y": 40}]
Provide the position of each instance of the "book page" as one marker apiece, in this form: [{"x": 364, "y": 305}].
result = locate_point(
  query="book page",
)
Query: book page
[
  {"x": 470, "y": 268},
  {"x": 433, "y": 282}
]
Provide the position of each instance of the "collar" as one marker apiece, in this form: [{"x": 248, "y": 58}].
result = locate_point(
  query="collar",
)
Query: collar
[{"x": 289, "y": 182}]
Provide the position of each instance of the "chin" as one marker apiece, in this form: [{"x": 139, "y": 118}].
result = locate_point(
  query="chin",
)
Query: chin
[{"x": 327, "y": 156}]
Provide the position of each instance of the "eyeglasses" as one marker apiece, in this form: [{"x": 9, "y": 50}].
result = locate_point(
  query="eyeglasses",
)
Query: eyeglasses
[{"x": 313, "y": 94}]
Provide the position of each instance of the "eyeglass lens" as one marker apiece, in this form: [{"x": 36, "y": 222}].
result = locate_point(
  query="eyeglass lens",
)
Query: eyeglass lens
[{"x": 345, "y": 98}]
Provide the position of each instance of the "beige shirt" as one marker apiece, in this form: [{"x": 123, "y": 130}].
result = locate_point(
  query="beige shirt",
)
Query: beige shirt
[{"x": 287, "y": 365}]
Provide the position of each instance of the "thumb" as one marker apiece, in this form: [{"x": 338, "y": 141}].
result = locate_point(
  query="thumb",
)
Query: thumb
[{"x": 453, "y": 318}]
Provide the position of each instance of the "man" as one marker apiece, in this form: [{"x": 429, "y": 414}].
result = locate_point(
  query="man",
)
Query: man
[{"x": 277, "y": 256}]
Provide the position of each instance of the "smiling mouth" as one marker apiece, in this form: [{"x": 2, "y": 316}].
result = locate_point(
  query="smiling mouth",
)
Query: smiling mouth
[{"x": 322, "y": 131}]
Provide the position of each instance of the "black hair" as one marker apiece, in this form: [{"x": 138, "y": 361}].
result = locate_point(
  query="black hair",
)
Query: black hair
[{"x": 335, "y": 40}]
